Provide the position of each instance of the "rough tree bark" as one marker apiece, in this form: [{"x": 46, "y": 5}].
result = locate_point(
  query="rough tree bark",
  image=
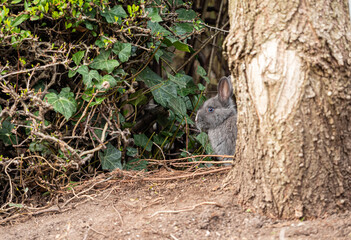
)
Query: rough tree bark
[{"x": 291, "y": 61}]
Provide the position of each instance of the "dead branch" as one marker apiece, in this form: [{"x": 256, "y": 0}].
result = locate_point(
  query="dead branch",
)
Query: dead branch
[{"x": 63, "y": 145}]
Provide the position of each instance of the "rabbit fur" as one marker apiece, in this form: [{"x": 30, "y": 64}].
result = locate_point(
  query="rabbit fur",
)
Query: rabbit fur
[{"x": 217, "y": 116}]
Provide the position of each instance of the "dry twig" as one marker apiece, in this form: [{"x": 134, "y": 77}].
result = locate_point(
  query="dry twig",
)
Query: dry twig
[{"x": 185, "y": 209}]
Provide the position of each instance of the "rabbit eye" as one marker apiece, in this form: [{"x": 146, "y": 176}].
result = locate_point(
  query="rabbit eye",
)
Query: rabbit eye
[{"x": 210, "y": 109}]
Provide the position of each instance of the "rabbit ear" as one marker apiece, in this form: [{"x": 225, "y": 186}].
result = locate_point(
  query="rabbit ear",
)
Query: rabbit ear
[{"x": 225, "y": 90}]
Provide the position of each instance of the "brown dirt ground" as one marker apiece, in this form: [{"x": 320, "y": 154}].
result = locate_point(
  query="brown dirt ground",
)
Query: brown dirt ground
[{"x": 197, "y": 208}]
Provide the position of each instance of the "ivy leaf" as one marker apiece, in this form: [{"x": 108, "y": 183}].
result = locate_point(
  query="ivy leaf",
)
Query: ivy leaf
[
  {"x": 88, "y": 76},
  {"x": 5, "y": 133},
  {"x": 132, "y": 152},
  {"x": 180, "y": 79},
  {"x": 188, "y": 103},
  {"x": 110, "y": 158},
  {"x": 184, "y": 14},
  {"x": 204, "y": 141},
  {"x": 181, "y": 46},
  {"x": 142, "y": 140},
  {"x": 90, "y": 12},
  {"x": 163, "y": 91},
  {"x": 160, "y": 139},
  {"x": 101, "y": 62},
  {"x": 170, "y": 41},
  {"x": 183, "y": 28},
  {"x": 106, "y": 82},
  {"x": 168, "y": 56},
  {"x": 77, "y": 57},
  {"x": 63, "y": 103},
  {"x": 36, "y": 147},
  {"x": 191, "y": 88},
  {"x": 89, "y": 25},
  {"x": 20, "y": 19},
  {"x": 100, "y": 43},
  {"x": 123, "y": 50},
  {"x": 157, "y": 29},
  {"x": 162, "y": 94},
  {"x": 177, "y": 105},
  {"x": 39, "y": 147},
  {"x": 136, "y": 165},
  {"x": 138, "y": 98},
  {"x": 88, "y": 94},
  {"x": 201, "y": 87},
  {"x": 201, "y": 71},
  {"x": 153, "y": 14},
  {"x": 72, "y": 73},
  {"x": 176, "y": 2},
  {"x": 158, "y": 54},
  {"x": 117, "y": 12}
]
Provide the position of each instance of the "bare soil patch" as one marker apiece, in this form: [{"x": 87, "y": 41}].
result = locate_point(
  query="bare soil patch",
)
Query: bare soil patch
[{"x": 196, "y": 208}]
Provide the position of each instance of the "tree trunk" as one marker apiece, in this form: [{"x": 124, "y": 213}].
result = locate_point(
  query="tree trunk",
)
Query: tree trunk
[{"x": 291, "y": 61}]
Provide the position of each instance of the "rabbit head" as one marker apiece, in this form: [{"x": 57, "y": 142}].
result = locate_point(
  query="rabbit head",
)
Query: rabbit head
[{"x": 217, "y": 109}]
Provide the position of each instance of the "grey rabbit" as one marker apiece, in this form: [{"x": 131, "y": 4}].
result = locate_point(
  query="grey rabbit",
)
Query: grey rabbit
[{"x": 217, "y": 116}]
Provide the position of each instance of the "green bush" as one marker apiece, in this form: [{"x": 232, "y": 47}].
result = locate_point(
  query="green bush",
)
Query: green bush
[{"x": 89, "y": 85}]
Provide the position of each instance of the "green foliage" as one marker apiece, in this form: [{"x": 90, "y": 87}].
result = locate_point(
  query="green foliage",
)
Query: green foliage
[
  {"x": 108, "y": 64},
  {"x": 153, "y": 13},
  {"x": 185, "y": 14},
  {"x": 88, "y": 76},
  {"x": 157, "y": 29},
  {"x": 203, "y": 139},
  {"x": 101, "y": 62},
  {"x": 143, "y": 141},
  {"x": 77, "y": 57},
  {"x": 123, "y": 50},
  {"x": 136, "y": 165},
  {"x": 132, "y": 152},
  {"x": 114, "y": 14},
  {"x": 110, "y": 158},
  {"x": 201, "y": 71},
  {"x": 183, "y": 28},
  {"x": 63, "y": 103},
  {"x": 162, "y": 91},
  {"x": 6, "y": 135},
  {"x": 39, "y": 147}
]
